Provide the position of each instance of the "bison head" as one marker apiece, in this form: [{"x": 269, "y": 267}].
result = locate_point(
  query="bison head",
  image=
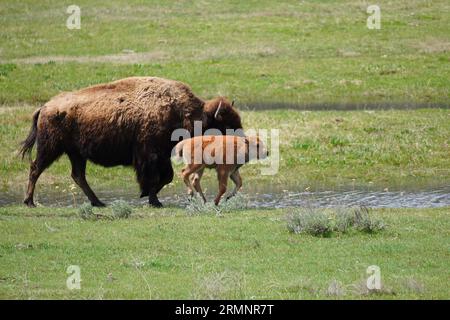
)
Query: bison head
[{"x": 220, "y": 114}]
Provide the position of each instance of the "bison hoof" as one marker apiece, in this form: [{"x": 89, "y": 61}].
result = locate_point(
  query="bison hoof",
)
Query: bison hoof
[
  {"x": 29, "y": 203},
  {"x": 155, "y": 204},
  {"x": 98, "y": 204}
]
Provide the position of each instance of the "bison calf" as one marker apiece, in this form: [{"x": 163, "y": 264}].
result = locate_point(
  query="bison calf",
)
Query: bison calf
[{"x": 226, "y": 154}]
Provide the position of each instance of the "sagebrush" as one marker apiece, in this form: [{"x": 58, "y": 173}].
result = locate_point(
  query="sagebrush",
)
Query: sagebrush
[{"x": 323, "y": 222}]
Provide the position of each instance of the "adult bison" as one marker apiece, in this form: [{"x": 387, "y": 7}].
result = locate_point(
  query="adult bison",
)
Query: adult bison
[{"x": 128, "y": 122}]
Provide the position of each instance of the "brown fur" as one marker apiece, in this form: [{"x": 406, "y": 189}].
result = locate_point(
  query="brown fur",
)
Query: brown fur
[
  {"x": 230, "y": 151},
  {"x": 126, "y": 122}
]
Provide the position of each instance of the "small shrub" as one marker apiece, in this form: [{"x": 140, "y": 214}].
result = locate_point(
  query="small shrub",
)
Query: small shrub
[
  {"x": 414, "y": 286},
  {"x": 323, "y": 222},
  {"x": 364, "y": 222},
  {"x": 335, "y": 289},
  {"x": 196, "y": 205},
  {"x": 310, "y": 220},
  {"x": 223, "y": 285},
  {"x": 239, "y": 202},
  {"x": 86, "y": 211},
  {"x": 345, "y": 219},
  {"x": 360, "y": 288},
  {"x": 121, "y": 209}
]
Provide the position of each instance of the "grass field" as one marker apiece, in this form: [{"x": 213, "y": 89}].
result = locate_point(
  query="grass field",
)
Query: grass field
[
  {"x": 246, "y": 254},
  {"x": 355, "y": 107},
  {"x": 300, "y": 52}
]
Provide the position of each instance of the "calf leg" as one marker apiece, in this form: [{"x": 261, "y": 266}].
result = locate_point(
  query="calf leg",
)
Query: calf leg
[
  {"x": 222, "y": 176},
  {"x": 236, "y": 178},
  {"x": 196, "y": 183},
  {"x": 44, "y": 158},
  {"x": 190, "y": 190},
  {"x": 187, "y": 172},
  {"x": 79, "y": 176}
]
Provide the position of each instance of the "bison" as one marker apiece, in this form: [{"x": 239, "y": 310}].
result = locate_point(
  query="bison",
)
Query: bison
[{"x": 128, "y": 122}]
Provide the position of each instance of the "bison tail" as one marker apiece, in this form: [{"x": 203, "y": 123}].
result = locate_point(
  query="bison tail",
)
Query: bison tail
[{"x": 28, "y": 143}]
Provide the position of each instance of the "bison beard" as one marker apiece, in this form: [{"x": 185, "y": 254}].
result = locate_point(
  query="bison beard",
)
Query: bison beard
[{"x": 127, "y": 122}]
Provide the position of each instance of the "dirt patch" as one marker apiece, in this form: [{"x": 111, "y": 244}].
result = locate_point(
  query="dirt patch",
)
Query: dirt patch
[
  {"x": 130, "y": 57},
  {"x": 121, "y": 58},
  {"x": 274, "y": 105},
  {"x": 433, "y": 45},
  {"x": 347, "y": 53},
  {"x": 7, "y": 109}
]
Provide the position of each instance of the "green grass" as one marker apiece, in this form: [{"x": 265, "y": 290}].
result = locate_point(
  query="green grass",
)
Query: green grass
[
  {"x": 305, "y": 53},
  {"x": 422, "y": 81},
  {"x": 245, "y": 254}
]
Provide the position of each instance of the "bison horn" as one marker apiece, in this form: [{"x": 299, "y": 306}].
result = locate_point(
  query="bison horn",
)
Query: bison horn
[
  {"x": 217, "y": 111},
  {"x": 232, "y": 103}
]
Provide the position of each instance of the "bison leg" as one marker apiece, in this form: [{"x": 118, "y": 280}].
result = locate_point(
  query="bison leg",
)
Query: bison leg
[
  {"x": 161, "y": 176},
  {"x": 44, "y": 159},
  {"x": 148, "y": 176},
  {"x": 165, "y": 174},
  {"x": 79, "y": 176},
  {"x": 153, "y": 174}
]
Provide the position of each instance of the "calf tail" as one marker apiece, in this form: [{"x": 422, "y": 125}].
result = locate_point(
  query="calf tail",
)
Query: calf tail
[
  {"x": 178, "y": 152},
  {"x": 28, "y": 143}
]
